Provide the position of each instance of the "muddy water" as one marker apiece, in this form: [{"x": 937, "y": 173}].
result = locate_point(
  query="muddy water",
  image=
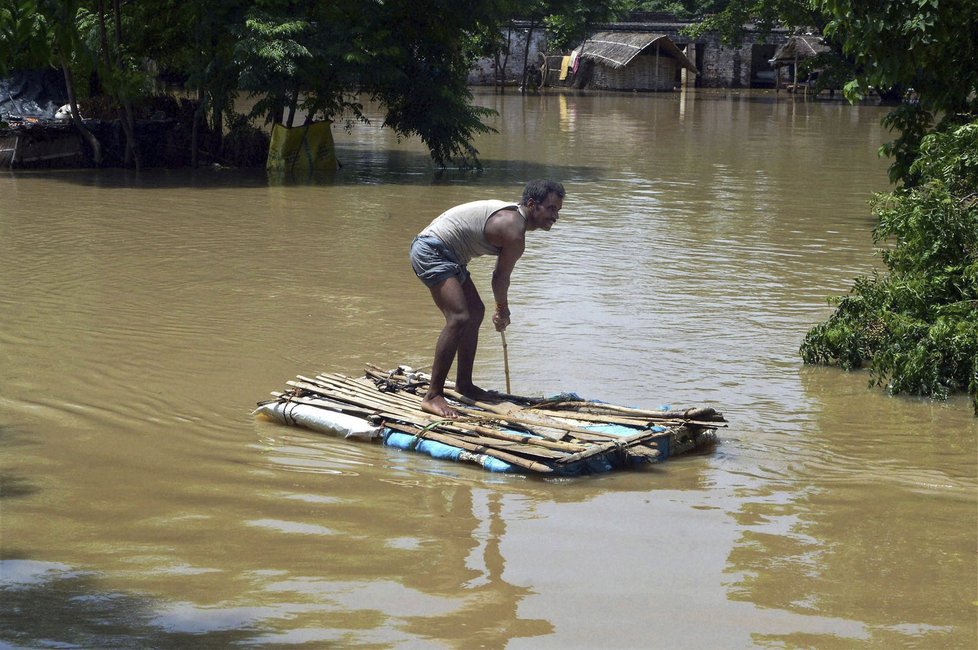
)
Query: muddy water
[{"x": 142, "y": 316}]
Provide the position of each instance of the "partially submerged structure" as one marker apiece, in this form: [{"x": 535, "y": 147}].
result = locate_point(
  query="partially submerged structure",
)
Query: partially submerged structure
[
  {"x": 559, "y": 436},
  {"x": 629, "y": 60},
  {"x": 796, "y": 50},
  {"x": 718, "y": 64},
  {"x": 35, "y": 130}
]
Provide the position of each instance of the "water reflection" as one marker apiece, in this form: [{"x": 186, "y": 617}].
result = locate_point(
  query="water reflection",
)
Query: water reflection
[{"x": 142, "y": 316}]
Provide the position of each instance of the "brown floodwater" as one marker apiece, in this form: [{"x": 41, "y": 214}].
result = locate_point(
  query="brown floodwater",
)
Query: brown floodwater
[{"x": 142, "y": 316}]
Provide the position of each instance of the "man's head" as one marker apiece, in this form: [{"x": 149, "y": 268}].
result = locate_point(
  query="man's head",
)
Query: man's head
[
  {"x": 539, "y": 189},
  {"x": 542, "y": 201}
]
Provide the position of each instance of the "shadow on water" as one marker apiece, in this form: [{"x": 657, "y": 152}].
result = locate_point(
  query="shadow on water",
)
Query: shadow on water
[
  {"x": 374, "y": 166},
  {"x": 11, "y": 485},
  {"x": 15, "y": 486},
  {"x": 51, "y": 604}
]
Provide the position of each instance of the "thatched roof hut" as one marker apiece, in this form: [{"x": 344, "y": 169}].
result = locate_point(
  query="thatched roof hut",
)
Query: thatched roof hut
[
  {"x": 625, "y": 60},
  {"x": 798, "y": 48}
]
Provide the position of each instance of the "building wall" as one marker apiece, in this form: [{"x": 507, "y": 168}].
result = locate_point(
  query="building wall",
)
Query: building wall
[
  {"x": 719, "y": 66},
  {"x": 725, "y": 67},
  {"x": 641, "y": 73},
  {"x": 483, "y": 73}
]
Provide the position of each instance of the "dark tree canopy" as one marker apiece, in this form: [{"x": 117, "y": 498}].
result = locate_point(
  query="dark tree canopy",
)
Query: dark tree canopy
[{"x": 317, "y": 57}]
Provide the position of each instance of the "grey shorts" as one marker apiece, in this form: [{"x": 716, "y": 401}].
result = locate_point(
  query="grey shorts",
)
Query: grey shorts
[{"x": 434, "y": 263}]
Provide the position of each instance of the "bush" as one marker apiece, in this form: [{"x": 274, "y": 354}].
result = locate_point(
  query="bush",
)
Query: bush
[
  {"x": 917, "y": 326},
  {"x": 245, "y": 145}
]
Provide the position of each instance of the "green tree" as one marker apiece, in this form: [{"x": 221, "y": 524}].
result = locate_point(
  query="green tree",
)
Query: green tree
[
  {"x": 117, "y": 68},
  {"x": 25, "y": 36},
  {"x": 58, "y": 27},
  {"x": 416, "y": 64},
  {"x": 316, "y": 56},
  {"x": 569, "y": 21},
  {"x": 731, "y": 19},
  {"x": 917, "y": 325},
  {"x": 928, "y": 48},
  {"x": 413, "y": 56}
]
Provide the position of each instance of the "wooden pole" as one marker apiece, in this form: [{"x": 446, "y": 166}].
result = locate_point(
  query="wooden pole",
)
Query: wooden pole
[
  {"x": 506, "y": 361},
  {"x": 512, "y": 459},
  {"x": 657, "y": 66}
]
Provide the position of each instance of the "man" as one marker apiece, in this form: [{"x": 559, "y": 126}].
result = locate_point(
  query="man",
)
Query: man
[{"x": 439, "y": 256}]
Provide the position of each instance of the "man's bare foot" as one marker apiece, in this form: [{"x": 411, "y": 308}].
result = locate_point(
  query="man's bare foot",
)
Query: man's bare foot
[
  {"x": 473, "y": 392},
  {"x": 438, "y": 405}
]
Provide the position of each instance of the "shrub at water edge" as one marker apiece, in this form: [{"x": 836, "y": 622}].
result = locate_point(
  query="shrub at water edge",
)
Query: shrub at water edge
[{"x": 917, "y": 325}]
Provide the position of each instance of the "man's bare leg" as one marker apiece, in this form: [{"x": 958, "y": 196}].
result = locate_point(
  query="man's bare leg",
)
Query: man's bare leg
[
  {"x": 469, "y": 343},
  {"x": 450, "y": 298}
]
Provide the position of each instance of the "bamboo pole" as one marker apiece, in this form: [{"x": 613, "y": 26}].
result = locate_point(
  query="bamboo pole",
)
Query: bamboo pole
[
  {"x": 420, "y": 418},
  {"x": 704, "y": 416},
  {"x": 598, "y": 407},
  {"x": 546, "y": 421},
  {"x": 533, "y": 424},
  {"x": 641, "y": 423},
  {"x": 536, "y": 426},
  {"x": 621, "y": 443},
  {"x": 506, "y": 361},
  {"x": 540, "y": 448},
  {"x": 377, "y": 373},
  {"x": 480, "y": 449}
]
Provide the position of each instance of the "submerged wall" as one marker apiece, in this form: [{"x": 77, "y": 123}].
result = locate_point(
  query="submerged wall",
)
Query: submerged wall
[
  {"x": 719, "y": 65},
  {"x": 486, "y": 71},
  {"x": 644, "y": 72}
]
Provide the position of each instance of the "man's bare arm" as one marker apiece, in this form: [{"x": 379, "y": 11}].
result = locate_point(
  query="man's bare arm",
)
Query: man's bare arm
[{"x": 506, "y": 231}]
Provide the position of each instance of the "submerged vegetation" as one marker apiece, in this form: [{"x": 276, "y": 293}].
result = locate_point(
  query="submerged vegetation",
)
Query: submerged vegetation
[
  {"x": 308, "y": 57},
  {"x": 916, "y": 327}
]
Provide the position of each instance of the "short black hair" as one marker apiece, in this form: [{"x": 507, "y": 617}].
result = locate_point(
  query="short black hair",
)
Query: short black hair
[{"x": 540, "y": 189}]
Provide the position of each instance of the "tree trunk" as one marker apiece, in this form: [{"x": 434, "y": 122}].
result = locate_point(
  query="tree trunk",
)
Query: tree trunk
[
  {"x": 128, "y": 118},
  {"x": 293, "y": 104},
  {"x": 195, "y": 130},
  {"x": 501, "y": 69},
  {"x": 103, "y": 33},
  {"x": 129, "y": 127},
  {"x": 76, "y": 116},
  {"x": 526, "y": 55},
  {"x": 218, "y": 127}
]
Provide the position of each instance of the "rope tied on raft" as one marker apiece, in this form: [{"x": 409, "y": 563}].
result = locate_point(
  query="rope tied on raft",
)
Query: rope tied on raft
[
  {"x": 387, "y": 385},
  {"x": 620, "y": 450},
  {"x": 423, "y": 433},
  {"x": 401, "y": 378},
  {"x": 290, "y": 406}
]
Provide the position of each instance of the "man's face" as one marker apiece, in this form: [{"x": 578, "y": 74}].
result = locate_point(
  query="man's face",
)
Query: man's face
[{"x": 544, "y": 215}]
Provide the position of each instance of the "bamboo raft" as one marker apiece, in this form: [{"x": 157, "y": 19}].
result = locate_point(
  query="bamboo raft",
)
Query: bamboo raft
[{"x": 557, "y": 436}]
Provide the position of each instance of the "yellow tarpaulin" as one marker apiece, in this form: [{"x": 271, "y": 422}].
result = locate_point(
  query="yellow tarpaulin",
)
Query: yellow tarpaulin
[{"x": 302, "y": 149}]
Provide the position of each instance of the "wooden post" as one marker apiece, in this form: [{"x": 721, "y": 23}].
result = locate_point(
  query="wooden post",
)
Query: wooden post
[{"x": 657, "y": 65}]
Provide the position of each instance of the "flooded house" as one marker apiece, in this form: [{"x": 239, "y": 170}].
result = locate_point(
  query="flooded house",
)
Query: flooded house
[
  {"x": 796, "y": 50},
  {"x": 631, "y": 46},
  {"x": 623, "y": 60}
]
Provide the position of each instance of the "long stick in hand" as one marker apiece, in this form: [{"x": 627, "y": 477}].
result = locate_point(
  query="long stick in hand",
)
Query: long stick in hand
[{"x": 506, "y": 362}]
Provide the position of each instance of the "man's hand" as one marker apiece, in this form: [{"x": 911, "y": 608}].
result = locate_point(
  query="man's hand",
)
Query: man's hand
[{"x": 500, "y": 318}]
